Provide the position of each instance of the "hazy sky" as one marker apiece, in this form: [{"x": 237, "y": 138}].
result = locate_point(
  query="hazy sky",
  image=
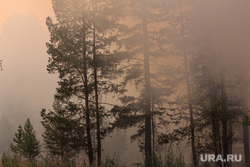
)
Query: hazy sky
[
  {"x": 25, "y": 85},
  {"x": 40, "y": 8}
]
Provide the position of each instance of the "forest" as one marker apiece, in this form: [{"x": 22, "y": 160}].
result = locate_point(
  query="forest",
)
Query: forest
[{"x": 170, "y": 74}]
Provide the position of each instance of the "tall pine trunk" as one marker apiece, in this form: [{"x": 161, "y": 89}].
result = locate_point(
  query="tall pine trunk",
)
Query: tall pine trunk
[
  {"x": 216, "y": 137},
  {"x": 225, "y": 140},
  {"x": 98, "y": 135},
  {"x": 230, "y": 139},
  {"x": 245, "y": 127},
  {"x": 215, "y": 124},
  {"x": 147, "y": 101},
  {"x": 190, "y": 107},
  {"x": 225, "y": 113},
  {"x": 246, "y": 144},
  {"x": 86, "y": 93},
  {"x": 153, "y": 134}
]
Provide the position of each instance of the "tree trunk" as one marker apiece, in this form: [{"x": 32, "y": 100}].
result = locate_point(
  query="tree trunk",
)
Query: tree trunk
[
  {"x": 245, "y": 127},
  {"x": 153, "y": 135},
  {"x": 98, "y": 135},
  {"x": 216, "y": 138},
  {"x": 86, "y": 92},
  {"x": 230, "y": 139},
  {"x": 246, "y": 145},
  {"x": 215, "y": 124},
  {"x": 225, "y": 140},
  {"x": 225, "y": 113},
  {"x": 148, "y": 140},
  {"x": 190, "y": 107}
]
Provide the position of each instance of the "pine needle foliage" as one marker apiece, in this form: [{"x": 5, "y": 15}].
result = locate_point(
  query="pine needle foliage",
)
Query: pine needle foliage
[{"x": 25, "y": 142}]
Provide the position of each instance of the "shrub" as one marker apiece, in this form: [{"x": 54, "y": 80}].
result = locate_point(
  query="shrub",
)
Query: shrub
[
  {"x": 111, "y": 162},
  {"x": 9, "y": 161}
]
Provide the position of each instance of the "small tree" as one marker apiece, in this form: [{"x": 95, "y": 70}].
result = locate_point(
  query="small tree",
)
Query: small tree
[
  {"x": 62, "y": 130},
  {"x": 18, "y": 139},
  {"x": 26, "y": 143},
  {"x": 31, "y": 146}
]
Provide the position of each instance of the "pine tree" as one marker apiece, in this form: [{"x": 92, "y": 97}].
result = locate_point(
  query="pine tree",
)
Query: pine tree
[
  {"x": 62, "y": 135},
  {"x": 212, "y": 96},
  {"x": 26, "y": 143},
  {"x": 81, "y": 52},
  {"x": 69, "y": 56},
  {"x": 104, "y": 61},
  {"x": 187, "y": 77},
  {"x": 30, "y": 146},
  {"x": 144, "y": 46},
  {"x": 18, "y": 140}
]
